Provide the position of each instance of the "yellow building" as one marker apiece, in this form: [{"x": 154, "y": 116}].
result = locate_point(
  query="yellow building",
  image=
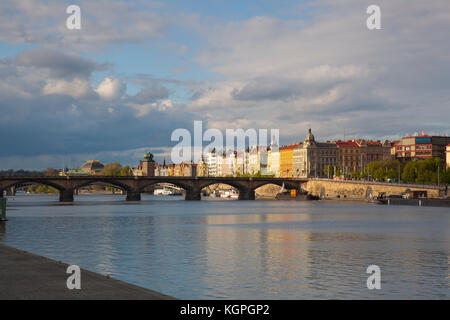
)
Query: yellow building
[
  {"x": 202, "y": 168},
  {"x": 448, "y": 156},
  {"x": 287, "y": 160}
]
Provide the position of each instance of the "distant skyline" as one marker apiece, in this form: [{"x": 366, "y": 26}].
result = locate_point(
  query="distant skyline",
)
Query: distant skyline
[{"x": 137, "y": 70}]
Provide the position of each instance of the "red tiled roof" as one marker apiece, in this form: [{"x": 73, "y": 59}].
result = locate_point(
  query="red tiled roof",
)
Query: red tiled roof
[
  {"x": 368, "y": 142},
  {"x": 350, "y": 144},
  {"x": 291, "y": 146}
]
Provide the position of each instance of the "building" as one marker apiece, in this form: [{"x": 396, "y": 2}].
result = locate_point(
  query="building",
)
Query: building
[
  {"x": 286, "y": 161},
  {"x": 447, "y": 151},
  {"x": 371, "y": 151},
  {"x": 161, "y": 169},
  {"x": 274, "y": 160},
  {"x": 92, "y": 167},
  {"x": 211, "y": 162},
  {"x": 202, "y": 168},
  {"x": 311, "y": 158},
  {"x": 421, "y": 146},
  {"x": 146, "y": 167},
  {"x": 257, "y": 160},
  {"x": 187, "y": 169},
  {"x": 229, "y": 164},
  {"x": 349, "y": 156},
  {"x": 220, "y": 163},
  {"x": 242, "y": 162}
]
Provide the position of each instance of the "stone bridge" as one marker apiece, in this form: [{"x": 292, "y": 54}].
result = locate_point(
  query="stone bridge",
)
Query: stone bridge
[{"x": 134, "y": 186}]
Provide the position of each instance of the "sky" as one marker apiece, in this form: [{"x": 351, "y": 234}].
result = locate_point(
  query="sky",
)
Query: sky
[{"x": 138, "y": 70}]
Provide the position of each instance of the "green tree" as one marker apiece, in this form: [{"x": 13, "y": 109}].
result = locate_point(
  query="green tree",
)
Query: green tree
[
  {"x": 409, "y": 173},
  {"x": 51, "y": 172},
  {"x": 126, "y": 171},
  {"x": 424, "y": 171},
  {"x": 112, "y": 169}
]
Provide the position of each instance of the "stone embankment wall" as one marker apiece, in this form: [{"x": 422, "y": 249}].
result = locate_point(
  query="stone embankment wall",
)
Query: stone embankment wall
[{"x": 358, "y": 190}]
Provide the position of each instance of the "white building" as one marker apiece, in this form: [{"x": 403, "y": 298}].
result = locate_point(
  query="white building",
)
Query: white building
[
  {"x": 274, "y": 160},
  {"x": 242, "y": 162},
  {"x": 211, "y": 162}
]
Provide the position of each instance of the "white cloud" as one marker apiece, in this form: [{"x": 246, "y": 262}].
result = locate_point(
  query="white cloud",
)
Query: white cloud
[
  {"x": 331, "y": 71},
  {"x": 104, "y": 22},
  {"x": 110, "y": 88},
  {"x": 76, "y": 88},
  {"x": 145, "y": 108}
]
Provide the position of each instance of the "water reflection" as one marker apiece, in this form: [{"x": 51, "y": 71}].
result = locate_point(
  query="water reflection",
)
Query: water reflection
[{"x": 242, "y": 250}]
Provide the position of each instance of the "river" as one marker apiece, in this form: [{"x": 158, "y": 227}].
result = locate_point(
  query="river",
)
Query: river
[{"x": 229, "y": 249}]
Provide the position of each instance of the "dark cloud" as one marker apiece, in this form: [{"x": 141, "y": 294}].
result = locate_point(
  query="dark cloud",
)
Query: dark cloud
[
  {"x": 42, "y": 119},
  {"x": 151, "y": 94},
  {"x": 268, "y": 89},
  {"x": 60, "y": 65}
]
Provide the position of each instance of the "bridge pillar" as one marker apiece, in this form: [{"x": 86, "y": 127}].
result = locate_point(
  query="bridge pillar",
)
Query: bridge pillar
[
  {"x": 193, "y": 194},
  {"x": 133, "y": 196},
  {"x": 66, "y": 195},
  {"x": 246, "y": 194}
]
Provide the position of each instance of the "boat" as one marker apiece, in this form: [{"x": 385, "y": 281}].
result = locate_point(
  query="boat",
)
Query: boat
[
  {"x": 176, "y": 192},
  {"x": 166, "y": 192},
  {"x": 230, "y": 194},
  {"x": 284, "y": 194}
]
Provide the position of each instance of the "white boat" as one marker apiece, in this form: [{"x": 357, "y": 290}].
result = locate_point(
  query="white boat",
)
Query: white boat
[
  {"x": 162, "y": 192},
  {"x": 232, "y": 194}
]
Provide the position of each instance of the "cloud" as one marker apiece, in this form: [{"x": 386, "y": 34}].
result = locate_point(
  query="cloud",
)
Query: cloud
[
  {"x": 50, "y": 111},
  {"x": 111, "y": 88},
  {"x": 58, "y": 64},
  {"x": 151, "y": 94},
  {"x": 145, "y": 108},
  {"x": 103, "y": 22},
  {"x": 331, "y": 72},
  {"x": 324, "y": 70},
  {"x": 77, "y": 88}
]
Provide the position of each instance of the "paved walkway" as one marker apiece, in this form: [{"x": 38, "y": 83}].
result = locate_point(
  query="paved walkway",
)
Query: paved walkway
[{"x": 25, "y": 275}]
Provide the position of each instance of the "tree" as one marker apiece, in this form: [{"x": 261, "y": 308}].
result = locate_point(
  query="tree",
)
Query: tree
[
  {"x": 51, "y": 172},
  {"x": 356, "y": 174},
  {"x": 424, "y": 171},
  {"x": 126, "y": 171},
  {"x": 409, "y": 173},
  {"x": 111, "y": 169},
  {"x": 42, "y": 189}
]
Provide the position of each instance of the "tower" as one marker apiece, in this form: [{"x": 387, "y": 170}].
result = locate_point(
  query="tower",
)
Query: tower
[{"x": 148, "y": 165}]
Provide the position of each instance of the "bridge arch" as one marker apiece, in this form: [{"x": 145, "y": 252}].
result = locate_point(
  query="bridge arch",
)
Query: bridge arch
[
  {"x": 110, "y": 183},
  {"x": 236, "y": 185},
  {"x": 34, "y": 182},
  {"x": 287, "y": 184},
  {"x": 176, "y": 183}
]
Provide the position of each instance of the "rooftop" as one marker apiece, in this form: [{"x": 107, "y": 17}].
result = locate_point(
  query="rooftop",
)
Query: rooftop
[
  {"x": 350, "y": 144},
  {"x": 291, "y": 146}
]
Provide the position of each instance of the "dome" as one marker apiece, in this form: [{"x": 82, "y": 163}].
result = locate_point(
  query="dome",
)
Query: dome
[{"x": 309, "y": 136}]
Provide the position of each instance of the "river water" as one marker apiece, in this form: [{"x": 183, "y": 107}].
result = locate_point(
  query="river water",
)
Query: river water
[{"x": 225, "y": 249}]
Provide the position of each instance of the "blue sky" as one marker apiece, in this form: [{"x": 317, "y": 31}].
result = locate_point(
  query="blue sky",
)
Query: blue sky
[{"x": 140, "y": 69}]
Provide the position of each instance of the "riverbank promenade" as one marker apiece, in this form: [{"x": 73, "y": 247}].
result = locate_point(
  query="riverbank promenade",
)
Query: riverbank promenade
[{"x": 26, "y": 276}]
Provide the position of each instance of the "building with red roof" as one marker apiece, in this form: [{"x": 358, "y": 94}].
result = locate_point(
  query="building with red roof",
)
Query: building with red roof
[
  {"x": 421, "y": 146},
  {"x": 349, "y": 156}
]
